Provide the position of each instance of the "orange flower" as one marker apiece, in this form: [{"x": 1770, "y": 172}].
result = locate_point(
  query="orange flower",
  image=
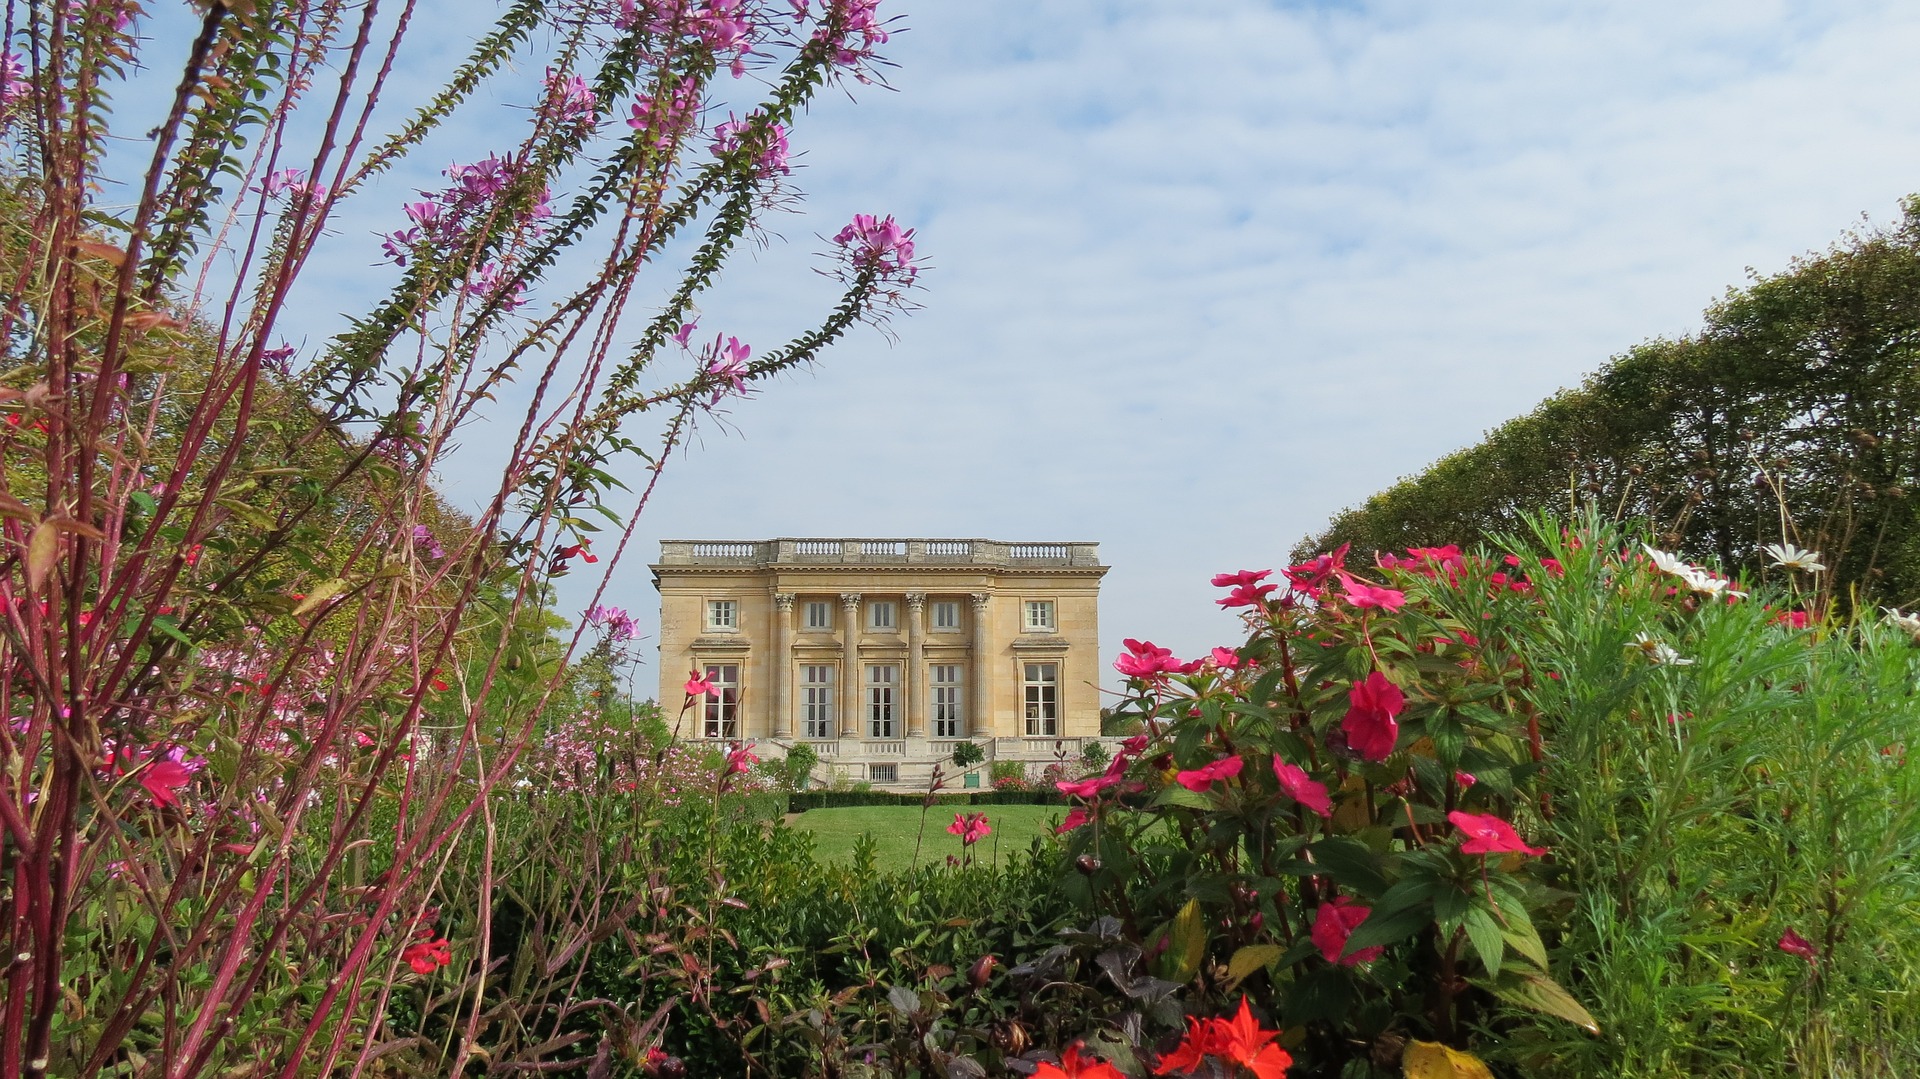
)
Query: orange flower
[
  {"x": 1074, "y": 1066},
  {"x": 1238, "y": 1041},
  {"x": 1244, "y": 1043}
]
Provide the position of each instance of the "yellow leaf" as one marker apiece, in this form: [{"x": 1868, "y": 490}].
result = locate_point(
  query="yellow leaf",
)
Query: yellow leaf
[
  {"x": 1431, "y": 1060},
  {"x": 1251, "y": 958},
  {"x": 42, "y": 547},
  {"x": 321, "y": 593}
]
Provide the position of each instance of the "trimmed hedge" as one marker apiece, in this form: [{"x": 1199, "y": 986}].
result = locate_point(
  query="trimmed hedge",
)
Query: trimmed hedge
[{"x": 801, "y": 801}]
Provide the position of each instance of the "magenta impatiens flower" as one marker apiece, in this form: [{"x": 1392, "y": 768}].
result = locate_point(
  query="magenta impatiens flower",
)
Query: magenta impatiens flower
[
  {"x": 1247, "y": 589},
  {"x": 1333, "y": 923},
  {"x": 1793, "y": 943},
  {"x": 1362, "y": 594},
  {"x": 1302, "y": 788},
  {"x": 1090, "y": 788},
  {"x": 1369, "y": 725},
  {"x": 1199, "y": 779},
  {"x": 1310, "y": 577},
  {"x": 1488, "y": 834},
  {"x": 1149, "y": 661},
  {"x": 1075, "y": 818}
]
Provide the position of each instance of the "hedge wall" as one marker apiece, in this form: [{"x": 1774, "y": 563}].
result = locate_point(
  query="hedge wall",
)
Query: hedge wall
[{"x": 802, "y": 801}]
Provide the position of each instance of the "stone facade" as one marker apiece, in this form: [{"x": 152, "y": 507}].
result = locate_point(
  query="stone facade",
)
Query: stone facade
[{"x": 945, "y": 640}]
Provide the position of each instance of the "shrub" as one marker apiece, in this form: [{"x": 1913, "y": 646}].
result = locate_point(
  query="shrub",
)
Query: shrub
[{"x": 967, "y": 754}]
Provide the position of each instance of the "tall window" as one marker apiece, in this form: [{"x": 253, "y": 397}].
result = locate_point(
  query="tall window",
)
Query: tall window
[
  {"x": 819, "y": 614},
  {"x": 880, "y": 615},
  {"x": 881, "y": 679},
  {"x": 1042, "y": 689},
  {"x": 723, "y": 614},
  {"x": 816, "y": 686},
  {"x": 722, "y": 710},
  {"x": 946, "y": 615},
  {"x": 946, "y": 700},
  {"x": 1039, "y": 615}
]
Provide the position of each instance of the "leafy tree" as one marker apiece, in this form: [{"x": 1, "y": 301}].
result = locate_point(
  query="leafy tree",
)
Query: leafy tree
[{"x": 1793, "y": 415}]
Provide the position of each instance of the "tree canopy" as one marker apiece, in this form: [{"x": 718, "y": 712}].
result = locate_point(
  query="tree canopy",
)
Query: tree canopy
[{"x": 1792, "y": 415}]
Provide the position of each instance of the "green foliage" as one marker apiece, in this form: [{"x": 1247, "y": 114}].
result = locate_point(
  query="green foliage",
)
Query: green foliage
[
  {"x": 967, "y": 754},
  {"x": 1759, "y": 784},
  {"x": 1795, "y": 409}
]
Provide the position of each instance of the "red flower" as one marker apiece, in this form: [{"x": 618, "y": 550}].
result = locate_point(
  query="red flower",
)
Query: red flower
[
  {"x": 427, "y": 956},
  {"x": 1075, "y": 818},
  {"x": 1362, "y": 594},
  {"x": 1793, "y": 943},
  {"x": 1333, "y": 923},
  {"x": 1369, "y": 724},
  {"x": 1202, "y": 1040},
  {"x": 697, "y": 685},
  {"x": 1302, "y": 788},
  {"x": 1227, "y": 659},
  {"x": 741, "y": 759},
  {"x": 1199, "y": 779},
  {"x": 163, "y": 779},
  {"x": 970, "y": 827},
  {"x": 578, "y": 550},
  {"x": 1488, "y": 834},
  {"x": 1074, "y": 1066}
]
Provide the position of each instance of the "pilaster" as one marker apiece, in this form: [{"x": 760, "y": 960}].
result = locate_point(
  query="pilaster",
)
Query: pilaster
[
  {"x": 849, "y": 664},
  {"x": 780, "y": 665}
]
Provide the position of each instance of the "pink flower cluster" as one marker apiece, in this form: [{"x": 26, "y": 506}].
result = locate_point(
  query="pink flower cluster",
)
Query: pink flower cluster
[
  {"x": 853, "y": 29},
  {"x": 970, "y": 827},
  {"x": 879, "y": 244},
  {"x": 13, "y": 79},
  {"x": 291, "y": 182},
  {"x": 571, "y": 101},
  {"x": 446, "y": 220},
  {"x": 619, "y": 625},
  {"x": 729, "y": 135},
  {"x": 723, "y": 26}
]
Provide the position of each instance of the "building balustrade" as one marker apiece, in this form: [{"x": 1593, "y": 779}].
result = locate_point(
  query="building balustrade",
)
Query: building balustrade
[{"x": 876, "y": 552}]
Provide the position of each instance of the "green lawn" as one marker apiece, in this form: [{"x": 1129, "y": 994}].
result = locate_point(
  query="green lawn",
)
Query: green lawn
[{"x": 895, "y": 828}]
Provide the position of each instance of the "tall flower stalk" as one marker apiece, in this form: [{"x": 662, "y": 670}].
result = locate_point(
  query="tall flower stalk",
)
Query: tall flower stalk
[{"x": 260, "y": 677}]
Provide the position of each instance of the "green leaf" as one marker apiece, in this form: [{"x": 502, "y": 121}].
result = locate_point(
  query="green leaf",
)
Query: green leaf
[
  {"x": 1488, "y": 941},
  {"x": 1351, "y": 863},
  {"x": 1542, "y": 994},
  {"x": 321, "y": 593},
  {"x": 1176, "y": 795},
  {"x": 1388, "y": 928}
]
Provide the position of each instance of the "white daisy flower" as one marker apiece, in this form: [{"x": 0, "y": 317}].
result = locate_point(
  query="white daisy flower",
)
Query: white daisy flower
[
  {"x": 1787, "y": 556},
  {"x": 1657, "y": 651},
  {"x": 1908, "y": 622}
]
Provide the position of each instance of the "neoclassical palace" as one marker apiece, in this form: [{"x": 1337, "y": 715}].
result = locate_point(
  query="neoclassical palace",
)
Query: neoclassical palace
[{"x": 882, "y": 653}]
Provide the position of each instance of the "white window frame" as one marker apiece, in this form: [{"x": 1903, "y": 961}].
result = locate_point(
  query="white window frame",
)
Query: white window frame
[
  {"x": 882, "y": 615},
  {"x": 949, "y": 608},
  {"x": 1040, "y": 699},
  {"x": 949, "y": 699},
  {"x": 1039, "y": 616},
  {"x": 720, "y": 710},
  {"x": 816, "y": 700},
  {"x": 882, "y": 715},
  {"x": 723, "y": 616},
  {"x": 824, "y": 610}
]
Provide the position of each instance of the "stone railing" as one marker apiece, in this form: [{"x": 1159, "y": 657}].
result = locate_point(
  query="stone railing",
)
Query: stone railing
[{"x": 877, "y": 552}]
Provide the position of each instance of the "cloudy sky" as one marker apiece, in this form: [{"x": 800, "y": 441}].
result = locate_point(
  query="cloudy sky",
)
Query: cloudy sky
[{"x": 1202, "y": 275}]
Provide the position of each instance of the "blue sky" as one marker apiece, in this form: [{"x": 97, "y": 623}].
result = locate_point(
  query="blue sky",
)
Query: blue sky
[{"x": 1204, "y": 274}]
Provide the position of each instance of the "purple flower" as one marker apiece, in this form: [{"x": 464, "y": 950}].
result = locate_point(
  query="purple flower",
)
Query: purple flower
[
  {"x": 13, "y": 78},
  {"x": 398, "y": 245},
  {"x": 685, "y": 332}
]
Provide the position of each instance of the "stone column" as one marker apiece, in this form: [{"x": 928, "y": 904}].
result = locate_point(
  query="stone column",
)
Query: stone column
[
  {"x": 780, "y": 665},
  {"x": 849, "y": 664},
  {"x": 914, "y": 682},
  {"x": 979, "y": 709}
]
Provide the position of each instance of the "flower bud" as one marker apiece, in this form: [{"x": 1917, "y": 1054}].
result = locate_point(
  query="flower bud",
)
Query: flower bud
[
  {"x": 1087, "y": 864},
  {"x": 981, "y": 970}
]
